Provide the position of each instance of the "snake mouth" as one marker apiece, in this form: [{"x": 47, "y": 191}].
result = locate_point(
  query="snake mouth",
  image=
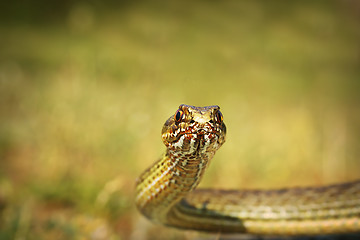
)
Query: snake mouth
[
  {"x": 201, "y": 133},
  {"x": 198, "y": 136},
  {"x": 199, "y": 141},
  {"x": 192, "y": 135}
]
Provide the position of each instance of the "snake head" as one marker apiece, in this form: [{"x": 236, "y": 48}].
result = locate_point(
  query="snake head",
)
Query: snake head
[{"x": 194, "y": 129}]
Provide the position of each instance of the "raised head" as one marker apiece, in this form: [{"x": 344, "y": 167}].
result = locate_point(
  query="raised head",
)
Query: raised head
[{"x": 194, "y": 129}]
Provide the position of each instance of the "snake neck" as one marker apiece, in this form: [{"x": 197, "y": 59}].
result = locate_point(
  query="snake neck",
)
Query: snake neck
[
  {"x": 168, "y": 181},
  {"x": 188, "y": 168}
]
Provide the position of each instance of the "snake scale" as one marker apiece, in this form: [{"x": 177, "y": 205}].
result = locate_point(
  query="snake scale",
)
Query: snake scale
[{"x": 165, "y": 192}]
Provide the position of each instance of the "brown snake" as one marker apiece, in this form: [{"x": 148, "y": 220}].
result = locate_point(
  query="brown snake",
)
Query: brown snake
[{"x": 165, "y": 191}]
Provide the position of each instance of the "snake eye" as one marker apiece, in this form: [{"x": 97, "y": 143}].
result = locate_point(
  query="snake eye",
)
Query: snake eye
[
  {"x": 218, "y": 117},
  {"x": 179, "y": 115}
]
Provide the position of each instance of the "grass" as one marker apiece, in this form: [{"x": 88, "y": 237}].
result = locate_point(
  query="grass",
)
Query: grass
[{"x": 84, "y": 94}]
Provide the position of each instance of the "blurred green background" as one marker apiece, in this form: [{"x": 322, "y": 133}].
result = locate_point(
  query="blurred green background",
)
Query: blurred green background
[{"x": 86, "y": 86}]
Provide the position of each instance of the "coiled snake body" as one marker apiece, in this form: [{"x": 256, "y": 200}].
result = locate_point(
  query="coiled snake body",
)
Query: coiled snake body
[{"x": 166, "y": 193}]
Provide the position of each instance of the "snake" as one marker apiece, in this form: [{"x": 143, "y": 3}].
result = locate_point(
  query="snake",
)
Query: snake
[{"x": 166, "y": 191}]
